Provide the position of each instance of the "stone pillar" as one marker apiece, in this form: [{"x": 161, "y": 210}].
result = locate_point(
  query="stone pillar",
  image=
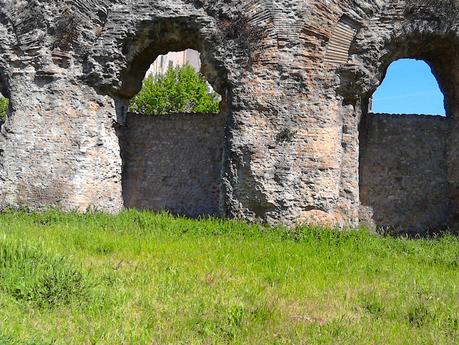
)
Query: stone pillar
[
  {"x": 284, "y": 162},
  {"x": 60, "y": 147}
]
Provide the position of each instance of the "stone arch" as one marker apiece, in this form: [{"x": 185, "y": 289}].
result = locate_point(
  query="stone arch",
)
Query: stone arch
[
  {"x": 408, "y": 178},
  {"x": 437, "y": 51},
  {"x": 159, "y": 37},
  {"x": 186, "y": 150}
]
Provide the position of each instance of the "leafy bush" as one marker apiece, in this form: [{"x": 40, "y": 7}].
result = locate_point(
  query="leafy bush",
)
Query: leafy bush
[
  {"x": 30, "y": 275},
  {"x": 3, "y": 108},
  {"x": 180, "y": 90}
]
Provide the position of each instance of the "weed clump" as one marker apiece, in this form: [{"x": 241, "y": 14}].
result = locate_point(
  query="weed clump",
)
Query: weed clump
[
  {"x": 30, "y": 275},
  {"x": 419, "y": 315}
]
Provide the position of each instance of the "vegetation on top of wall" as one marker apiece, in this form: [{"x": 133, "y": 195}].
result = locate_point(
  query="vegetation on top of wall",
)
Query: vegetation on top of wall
[
  {"x": 180, "y": 90},
  {"x": 4, "y": 103}
]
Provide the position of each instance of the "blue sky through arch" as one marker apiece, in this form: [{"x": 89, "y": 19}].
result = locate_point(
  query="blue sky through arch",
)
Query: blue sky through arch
[{"x": 409, "y": 88}]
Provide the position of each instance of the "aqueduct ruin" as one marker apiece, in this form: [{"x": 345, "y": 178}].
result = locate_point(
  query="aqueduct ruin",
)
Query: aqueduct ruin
[{"x": 294, "y": 142}]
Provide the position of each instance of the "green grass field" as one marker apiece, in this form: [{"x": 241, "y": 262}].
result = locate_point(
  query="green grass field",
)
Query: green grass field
[{"x": 140, "y": 278}]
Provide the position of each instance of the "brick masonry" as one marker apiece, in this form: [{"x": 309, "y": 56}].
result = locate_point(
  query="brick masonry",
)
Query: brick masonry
[
  {"x": 173, "y": 163},
  {"x": 403, "y": 171}
]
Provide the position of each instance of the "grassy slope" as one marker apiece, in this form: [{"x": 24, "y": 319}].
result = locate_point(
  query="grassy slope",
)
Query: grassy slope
[{"x": 140, "y": 278}]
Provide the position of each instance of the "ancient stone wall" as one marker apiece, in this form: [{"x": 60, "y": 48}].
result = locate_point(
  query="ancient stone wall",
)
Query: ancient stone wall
[
  {"x": 403, "y": 171},
  {"x": 173, "y": 163},
  {"x": 295, "y": 77}
]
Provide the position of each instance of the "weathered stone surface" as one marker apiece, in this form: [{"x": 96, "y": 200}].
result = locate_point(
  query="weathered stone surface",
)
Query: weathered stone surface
[{"x": 295, "y": 94}]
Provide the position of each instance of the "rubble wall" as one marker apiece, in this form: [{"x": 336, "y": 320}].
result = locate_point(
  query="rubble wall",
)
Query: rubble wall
[
  {"x": 403, "y": 171},
  {"x": 173, "y": 163}
]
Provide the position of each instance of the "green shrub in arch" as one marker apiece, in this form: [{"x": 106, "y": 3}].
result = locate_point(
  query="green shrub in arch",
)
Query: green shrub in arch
[
  {"x": 180, "y": 90},
  {"x": 4, "y": 103}
]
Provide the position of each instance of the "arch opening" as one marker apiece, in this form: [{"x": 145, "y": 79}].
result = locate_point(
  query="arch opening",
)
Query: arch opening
[
  {"x": 409, "y": 87},
  {"x": 405, "y": 160},
  {"x": 174, "y": 84},
  {"x": 173, "y": 129}
]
